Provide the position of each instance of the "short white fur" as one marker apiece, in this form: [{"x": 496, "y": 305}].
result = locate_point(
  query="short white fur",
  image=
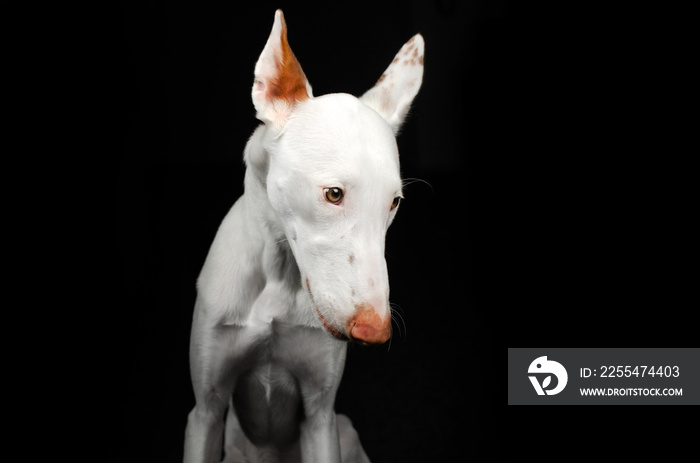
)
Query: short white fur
[{"x": 290, "y": 275}]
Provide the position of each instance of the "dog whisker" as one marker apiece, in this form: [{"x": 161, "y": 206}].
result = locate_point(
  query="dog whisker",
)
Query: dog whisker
[
  {"x": 409, "y": 181},
  {"x": 396, "y": 317}
]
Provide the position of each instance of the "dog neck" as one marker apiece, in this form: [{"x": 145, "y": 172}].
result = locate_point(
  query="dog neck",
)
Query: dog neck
[{"x": 278, "y": 263}]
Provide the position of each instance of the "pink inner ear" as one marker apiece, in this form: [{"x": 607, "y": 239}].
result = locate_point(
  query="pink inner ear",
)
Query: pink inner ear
[{"x": 259, "y": 85}]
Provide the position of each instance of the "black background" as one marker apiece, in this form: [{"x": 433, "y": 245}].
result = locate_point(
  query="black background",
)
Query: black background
[{"x": 547, "y": 206}]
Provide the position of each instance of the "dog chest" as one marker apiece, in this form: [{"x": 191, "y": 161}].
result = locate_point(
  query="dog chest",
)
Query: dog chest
[{"x": 267, "y": 403}]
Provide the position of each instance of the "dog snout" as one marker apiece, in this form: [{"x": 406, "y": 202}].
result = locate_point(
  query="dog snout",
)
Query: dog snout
[{"x": 368, "y": 327}]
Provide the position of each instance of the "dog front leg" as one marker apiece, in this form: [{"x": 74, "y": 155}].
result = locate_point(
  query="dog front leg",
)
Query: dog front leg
[
  {"x": 319, "y": 438},
  {"x": 204, "y": 434},
  {"x": 205, "y": 423},
  {"x": 216, "y": 356}
]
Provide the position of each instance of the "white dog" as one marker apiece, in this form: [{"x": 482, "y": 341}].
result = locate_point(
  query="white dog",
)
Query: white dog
[{"x": 297, "y": 266}]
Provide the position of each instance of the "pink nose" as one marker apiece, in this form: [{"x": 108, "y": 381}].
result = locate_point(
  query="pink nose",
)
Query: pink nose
[{"x": 367, "y": 327}]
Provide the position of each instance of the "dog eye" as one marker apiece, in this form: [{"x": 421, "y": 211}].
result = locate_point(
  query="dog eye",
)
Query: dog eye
[
  {"x": 333, "y": 194},
  {"x": 395, "y": 203}
]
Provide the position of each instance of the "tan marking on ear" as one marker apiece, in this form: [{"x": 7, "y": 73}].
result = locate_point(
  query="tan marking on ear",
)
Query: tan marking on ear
[
  {"x": 290, "y": 82},
  {"x": 420, "y": 60}
]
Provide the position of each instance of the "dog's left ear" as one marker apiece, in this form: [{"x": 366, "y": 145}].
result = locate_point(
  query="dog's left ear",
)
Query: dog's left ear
[
  {"x": 395, "y": 90},
  {"x": 280, "y": 83}
]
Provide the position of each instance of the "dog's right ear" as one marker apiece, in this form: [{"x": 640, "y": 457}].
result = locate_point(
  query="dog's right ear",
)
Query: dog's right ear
[{"x": 279, "y": 82}]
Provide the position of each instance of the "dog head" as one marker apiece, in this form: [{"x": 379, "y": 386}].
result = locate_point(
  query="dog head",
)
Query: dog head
[{"x": 333, "y": 180}]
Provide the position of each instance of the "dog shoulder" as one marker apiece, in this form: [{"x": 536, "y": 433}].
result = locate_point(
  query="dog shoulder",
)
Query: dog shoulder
[{"x": 232, "y": 276}]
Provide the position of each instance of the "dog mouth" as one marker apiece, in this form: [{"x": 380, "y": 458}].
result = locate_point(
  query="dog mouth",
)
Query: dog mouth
[{"x": 332, "y": 330}]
